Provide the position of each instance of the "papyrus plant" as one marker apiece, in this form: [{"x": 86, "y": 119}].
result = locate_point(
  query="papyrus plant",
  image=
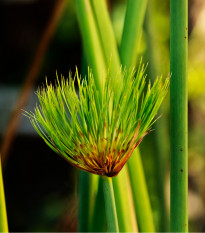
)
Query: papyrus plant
[
  {"x": 97, "y": 134},
  {"x": 96, "y": 130}
]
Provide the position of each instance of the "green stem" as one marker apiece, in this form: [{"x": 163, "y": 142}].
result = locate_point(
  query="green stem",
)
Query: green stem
[
  {"x": 110, "y": 207},
  {"x": 3, "y": 215},
  {"x": 140, "y": 193},
  {"x": 124, "y": 202},
  {"x": 86, "y": 197},
  {"x": 128, "y": 54},
  {"x": 134, "y": 19},
  {"x": 178, "y": 105},
  {"x": 107, "y": 37},
  {"x": 98, "y": 223},
  {"x": 91, "y": 41}
]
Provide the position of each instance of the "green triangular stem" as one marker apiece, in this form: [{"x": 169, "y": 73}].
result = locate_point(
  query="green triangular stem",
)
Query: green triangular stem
[
  {"x": 110, "y": 207},
  {"x": 140, "y": 193},
  {"x": 134, "y": 19},
  {"x": 99, "y": 215},
  {"x": 87, "y": 183},
  {"x": 132, "y": 29},
  {"x": 179, "y": 115},
  {"x": 3, "y": 214}
]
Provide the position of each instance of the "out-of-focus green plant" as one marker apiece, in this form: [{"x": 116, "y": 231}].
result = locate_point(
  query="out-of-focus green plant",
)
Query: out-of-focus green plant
[
  {"x": 157, "y": 151},
  {"x": 196, "y": 59}
]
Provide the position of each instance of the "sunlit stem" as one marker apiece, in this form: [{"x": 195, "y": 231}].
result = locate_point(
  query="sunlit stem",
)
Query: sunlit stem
[
  {"x": 3, "y": 214},
  {"x": 110, "y": 207}
]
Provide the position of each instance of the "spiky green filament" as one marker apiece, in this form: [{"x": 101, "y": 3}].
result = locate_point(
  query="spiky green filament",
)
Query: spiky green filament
[{"x": 97, "y": 135}]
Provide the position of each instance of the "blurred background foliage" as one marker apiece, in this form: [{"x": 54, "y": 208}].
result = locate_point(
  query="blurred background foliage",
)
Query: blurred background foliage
[{"x": 40, "y": 188}]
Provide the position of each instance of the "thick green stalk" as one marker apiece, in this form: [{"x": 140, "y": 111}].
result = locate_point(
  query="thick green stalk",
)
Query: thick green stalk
[
  {"x": 121, "y": 183},
  {"x": 98, "y": 223},
  {"x": 141, "y": 200},
  {"x": 3, "y": 215},
  {"x": 178, "y": 105},
  {"x": 86, "y": 182},
  {"x": 107, "y": 37},
  {"x": 110, "y": 207},
  {"x": 134, "y": 19},
  {"x": 124, "y": 202},
  {"x": 91, "y": 41}
]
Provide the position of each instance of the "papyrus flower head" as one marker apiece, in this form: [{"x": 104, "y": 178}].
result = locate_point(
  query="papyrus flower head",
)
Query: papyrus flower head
[{"x": 97, "y": 131}]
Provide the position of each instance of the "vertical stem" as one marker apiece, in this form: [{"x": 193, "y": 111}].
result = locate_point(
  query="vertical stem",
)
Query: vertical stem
[
  {"x": 91, "y": 41},
  {"x": 3, "y": 215},
  {"x": 99, "y": 218},
  {"x": 84, "y": 204},
  {"x": 86, "y": 197},
  {"x": 140, "y": 193},
  {"x": 124, "y": 202},
  {"x": 134, "y": 19},
  {"x": 110, "y": 207},
  {"x": 107, "y": 37},
  {"x": 178, "y": 105}
]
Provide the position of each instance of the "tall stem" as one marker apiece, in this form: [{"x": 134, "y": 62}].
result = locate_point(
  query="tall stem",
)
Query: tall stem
[
  {"x": 134, "y": 19},
  {"x": 86, "y": 197},
  {"x": 110, "y": 207},
  {"x": 178, "y": 105},
  {"x": 99, "y": 216},
  {"x": 107, "y": 38},
  {"x": 140, "y": 193},
  {"x": 91, "y": 41},
  {"x": 124, "y": 201},
  {"x": 3, "y": 215}
]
